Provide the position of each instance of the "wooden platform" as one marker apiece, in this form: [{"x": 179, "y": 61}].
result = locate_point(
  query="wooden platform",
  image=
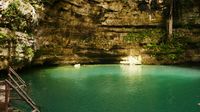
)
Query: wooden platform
[{"x": 4, "y": 96}]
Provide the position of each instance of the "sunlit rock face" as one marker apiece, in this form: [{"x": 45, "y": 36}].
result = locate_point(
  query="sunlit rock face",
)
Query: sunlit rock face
[
  {"x": 98, "y": 31},
  {"x": 18, "y": 18},
  {"x": 19, "y": 15}
]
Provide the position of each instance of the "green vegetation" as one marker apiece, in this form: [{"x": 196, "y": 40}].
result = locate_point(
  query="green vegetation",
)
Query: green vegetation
[
  {"x": 29, "y": 52},
  {"x": 13, "y": 15},
  {"x": 151, "y": 40},
  {"x": 2, "y": 39},
  {"x": 170, "y": 50},
  {"x": 2, "y": 35},
  {"x": 135, "y": 37}
]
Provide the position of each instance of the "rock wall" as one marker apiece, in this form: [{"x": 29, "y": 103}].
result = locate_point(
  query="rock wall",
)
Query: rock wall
[
  {"x": 18, "y": 19},
  {"x": 187, "y": 12},
  {"x": 16, "y": 49},
  {"x": 97, "y": 31},
  {"x": 104, "y": 31}
]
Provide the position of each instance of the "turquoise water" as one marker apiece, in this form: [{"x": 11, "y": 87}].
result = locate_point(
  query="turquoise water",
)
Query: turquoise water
[{"x": 115, "y": 88}]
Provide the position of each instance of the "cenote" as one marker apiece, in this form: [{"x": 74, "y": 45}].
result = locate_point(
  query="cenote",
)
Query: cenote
[{"x": 115, "y": 88}]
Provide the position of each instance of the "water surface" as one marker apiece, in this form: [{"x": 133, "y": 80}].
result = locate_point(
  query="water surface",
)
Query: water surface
[{"x": 115, "y": 88}]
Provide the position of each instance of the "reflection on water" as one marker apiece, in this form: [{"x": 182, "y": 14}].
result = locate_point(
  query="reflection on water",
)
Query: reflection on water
[
  {"x": 131, "y": 69},
  {"x": 116, "y": 88}
]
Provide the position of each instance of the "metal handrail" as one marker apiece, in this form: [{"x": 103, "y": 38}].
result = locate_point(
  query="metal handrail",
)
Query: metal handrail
[
  {"x": 17, "y": 76},
  {"x": 22, "y": 95}
]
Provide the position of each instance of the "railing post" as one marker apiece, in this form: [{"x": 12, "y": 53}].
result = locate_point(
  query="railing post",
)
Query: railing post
[
  {"x": 7, "y": 92},
  {"x": 17, "y": 76},
  {"x": 24, "y": 96}
]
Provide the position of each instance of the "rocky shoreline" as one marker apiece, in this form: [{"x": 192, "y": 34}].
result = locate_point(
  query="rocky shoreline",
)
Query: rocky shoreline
[{"x": 58, "y": 32}]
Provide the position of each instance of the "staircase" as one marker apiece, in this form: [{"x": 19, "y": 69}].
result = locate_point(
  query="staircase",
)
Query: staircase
[{"x": 14, "y": 83}]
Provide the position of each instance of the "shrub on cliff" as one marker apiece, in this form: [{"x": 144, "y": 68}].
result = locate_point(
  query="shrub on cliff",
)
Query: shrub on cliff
[{"x": 18, "y": 15}]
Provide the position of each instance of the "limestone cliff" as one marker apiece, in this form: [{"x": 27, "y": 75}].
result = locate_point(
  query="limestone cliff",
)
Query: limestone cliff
[
  {"x": 104, "y": 31},
  {"x": 97, "y": 31},
  {"x": 16, "y": 48},
  {"x": 17, "y": 20}
]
